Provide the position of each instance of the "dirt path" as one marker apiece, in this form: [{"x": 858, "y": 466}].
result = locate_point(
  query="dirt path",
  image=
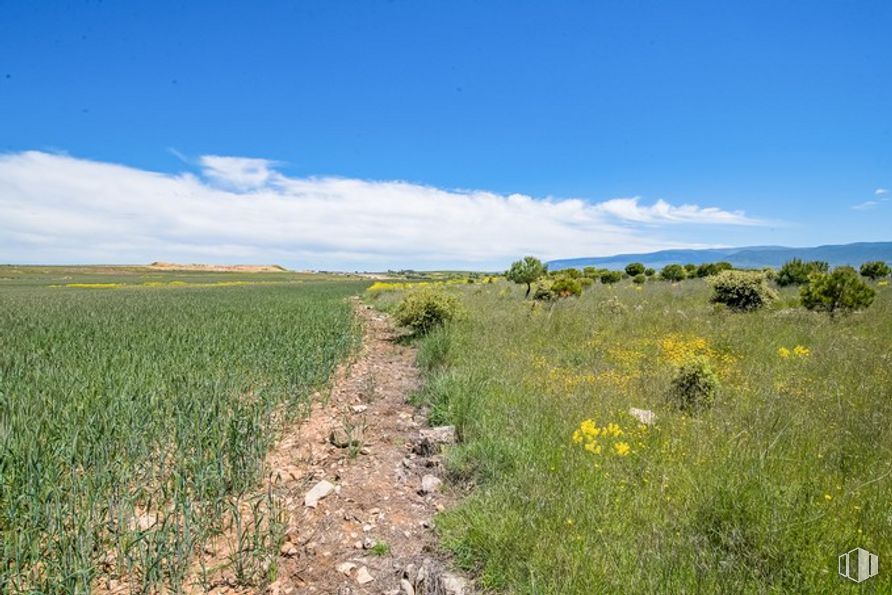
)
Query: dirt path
[{"x": 368, "y": 448}]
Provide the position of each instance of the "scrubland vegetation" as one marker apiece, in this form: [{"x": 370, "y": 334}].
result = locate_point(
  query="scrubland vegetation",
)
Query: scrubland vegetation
[
  {"x": 135, "y": 412},
  {"x": 770, "y": 455}
]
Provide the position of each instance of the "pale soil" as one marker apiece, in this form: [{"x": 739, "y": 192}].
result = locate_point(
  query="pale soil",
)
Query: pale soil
[
  {"x": 218, "y": 268},
  {"x": 377, "y": 495}
]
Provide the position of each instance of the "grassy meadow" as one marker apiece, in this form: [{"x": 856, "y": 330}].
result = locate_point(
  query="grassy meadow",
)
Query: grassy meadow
[
  {"x": 759, "y": 494},
  {"x": 135, "y": 411}
]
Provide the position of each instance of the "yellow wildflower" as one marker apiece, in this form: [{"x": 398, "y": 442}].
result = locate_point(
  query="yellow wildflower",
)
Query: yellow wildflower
[
  {"x": 621, "y": 448},
  {"x": 783, "y": 352},
  {"x": 801, "y": 351}
]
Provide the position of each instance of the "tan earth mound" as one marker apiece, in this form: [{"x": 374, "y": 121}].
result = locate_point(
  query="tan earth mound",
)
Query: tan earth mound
[{"x": 218, "y": 268}]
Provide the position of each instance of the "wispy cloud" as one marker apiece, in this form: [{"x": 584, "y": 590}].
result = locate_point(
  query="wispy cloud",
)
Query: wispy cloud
[
  {"x": 868, "y": 204},
  {"x": 662, "y": 212},
  {"x": 881, "y": 191},
  {"x": 56, "y": 208}
]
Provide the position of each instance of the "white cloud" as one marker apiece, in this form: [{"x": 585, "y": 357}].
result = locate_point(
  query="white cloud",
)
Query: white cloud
[
  {"x": 881, "y": 191},
  {"x": 55, "y": 208}
]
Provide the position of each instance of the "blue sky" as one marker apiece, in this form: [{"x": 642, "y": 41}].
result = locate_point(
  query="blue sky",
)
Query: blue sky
[{"x": 392, "y": 124}]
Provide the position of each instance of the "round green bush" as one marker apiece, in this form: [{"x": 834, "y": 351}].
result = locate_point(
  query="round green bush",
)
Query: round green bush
[
  {"x": 610, "y": 277},
  {"x": 874, "y": 270},
  {"x": 694, "y": 387},
  {"x": 741, "y": 290},
  {"x": 634, "y": 269},
  {"x": 673, "y": 272},
  {"x": 425, "y": 309}
]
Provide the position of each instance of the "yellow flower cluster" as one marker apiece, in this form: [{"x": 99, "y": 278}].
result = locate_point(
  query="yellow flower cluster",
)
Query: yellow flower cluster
[
  {"x": 797, "y": 351},
  {"x": 594, "y": 439},
  {"x": 385, "y": 286},
  {"x": 679, "y": 349}
]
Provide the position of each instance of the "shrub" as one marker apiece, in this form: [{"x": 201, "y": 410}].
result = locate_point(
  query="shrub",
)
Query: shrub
[
  {"x": 875, "y": 270},
  {"x": 797, "y": 272},
  {"x": 425, "y": 309},
  {"x": 694, "y": 387},
  {"x": 571, "y": 273},
  {"x": 590, "y": 272},
  {"x": 673, "y": 272},
  {"x": 690, "y": 269},
  {"x": 633, "y": 269},
  {"x": 543, "y": 294},
  {"x": 707, "y": 269},
  {"x": 741, "y": 290},
  {"x": 585, "y": 282},
  {"x": 610, "y": 277},
  {"x": 649, "y": 272},
  {"x": 639, "y": 279},
  {"x": 842, "y": 290},
  {"x": 526, "y": 271},
  {"x": 566, "y": 287}
]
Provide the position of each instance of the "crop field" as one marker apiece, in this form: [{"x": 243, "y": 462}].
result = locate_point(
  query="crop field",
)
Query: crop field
[
  {"x": 790, "y": 467},
  {"x": 136, "y": 409}
]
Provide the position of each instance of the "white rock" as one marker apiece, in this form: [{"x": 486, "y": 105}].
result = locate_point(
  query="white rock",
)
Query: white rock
[
  {"x": 345, "y": 567},
  {"x": 363, "y": 576},
  {"x": 439, "y": 434},
  {"x": 406, "y": 587},
  {"x": 452, "y": 584},
  {"x": 645, "y": 416},
  {"x": 359, "y": 408},
  {"x": 317, "y": 493},
  {"x": 430, "y": 484}
]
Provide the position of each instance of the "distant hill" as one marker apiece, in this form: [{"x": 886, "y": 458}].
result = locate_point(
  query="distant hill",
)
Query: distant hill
[
  {"x": 746, "y": 257},
  {"x": 218, "y": 268}
]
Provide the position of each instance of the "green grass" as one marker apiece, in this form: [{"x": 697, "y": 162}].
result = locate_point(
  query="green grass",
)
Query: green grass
[
  {"x": 133, "y": 420},
  {"x": 759, "y": 494}
]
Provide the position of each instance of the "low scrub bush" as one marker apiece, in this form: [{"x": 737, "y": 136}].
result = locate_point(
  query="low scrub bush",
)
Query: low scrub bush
[
  {"x": 566, "y": 287},
  {"x": 610, "y": 277},
  {"x": 741, "y": 290},
  {"x": 427, "y": 308},
  {"x": 694, "y": 386},
  {"x": 673, "y": 272},
  {"x": 840, "y": 291}
]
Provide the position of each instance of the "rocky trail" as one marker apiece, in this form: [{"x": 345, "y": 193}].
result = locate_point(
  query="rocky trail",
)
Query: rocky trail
[{"x": 360, "y": 478}]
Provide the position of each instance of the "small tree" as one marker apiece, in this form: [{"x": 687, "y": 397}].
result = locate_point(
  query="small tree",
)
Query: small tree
[
  {"x": 741, "y": 290},
  {"x": 611, "y": 277},
  {"x": 839, "y": 291},
  {"x": 673, "y": 272},
  {"x": 649, "y": 272},
  {"x": 634, "y": 268},
  {"x": 526, "y": 271},
  {"x": 694, "y": 387},
  {"x": 639, "y": 279},
  {"x": 875, "y": 270},
  {"x": 797, "y": 272}
]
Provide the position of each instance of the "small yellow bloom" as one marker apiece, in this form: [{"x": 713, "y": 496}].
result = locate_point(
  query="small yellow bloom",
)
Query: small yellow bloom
[
  {"x": 801, "y": 351},
  {"x": 783, "y": 352},
  {"x": 622, "y": 448},
  {"x": 828, "y": 497}
]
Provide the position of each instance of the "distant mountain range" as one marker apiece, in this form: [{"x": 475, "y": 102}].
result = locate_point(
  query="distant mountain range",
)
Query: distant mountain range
[{"x": 746, "y": 257}]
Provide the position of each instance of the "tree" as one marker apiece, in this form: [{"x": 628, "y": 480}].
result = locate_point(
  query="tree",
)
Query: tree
[
  {"x": 842, "y": 290},
  {"x": 797, "y": 272},
  {"x": 673, "y": 272},
  {"x": 634, "y": 268},
  {"x": 875, "y": 270},
  {"x": 526, "y": 271}
]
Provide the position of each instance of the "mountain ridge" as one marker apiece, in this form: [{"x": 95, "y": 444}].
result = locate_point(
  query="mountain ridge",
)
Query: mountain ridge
[{"x": 742, "y": 257}]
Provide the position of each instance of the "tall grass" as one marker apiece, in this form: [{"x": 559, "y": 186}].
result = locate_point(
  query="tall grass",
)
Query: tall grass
[
  {"x": 133, "y": 420},
  {"x": 758, "y": 494}
]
